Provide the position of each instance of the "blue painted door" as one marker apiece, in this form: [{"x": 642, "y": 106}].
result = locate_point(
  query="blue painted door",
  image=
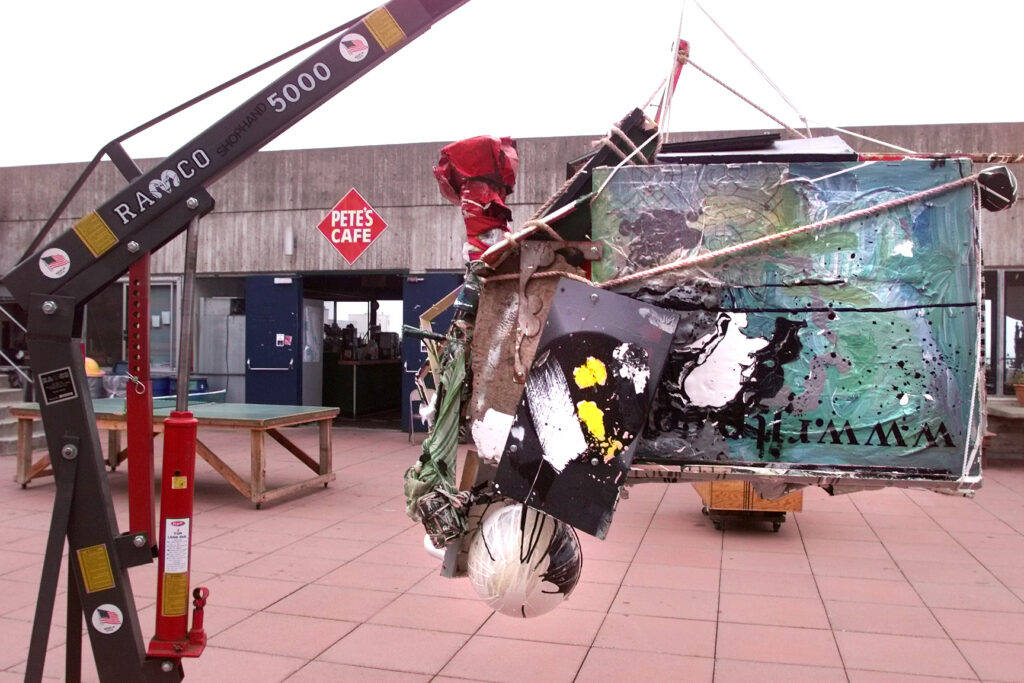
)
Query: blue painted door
[
  {"x": 419, "y": 293},
  {"x": 273, "y": 340}
]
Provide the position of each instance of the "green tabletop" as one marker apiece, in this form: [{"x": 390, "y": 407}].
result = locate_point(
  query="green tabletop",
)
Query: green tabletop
[{"x": 228, "y": 414}]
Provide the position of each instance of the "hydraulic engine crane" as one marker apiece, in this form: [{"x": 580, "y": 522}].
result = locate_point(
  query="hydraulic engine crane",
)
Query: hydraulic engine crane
[{"x": 53, "y": 282}]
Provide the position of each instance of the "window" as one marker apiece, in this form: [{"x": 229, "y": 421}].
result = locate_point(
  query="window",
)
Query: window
[
  {"x": 1013, "y": 325},
  {"x": 1004, "y": 328}
]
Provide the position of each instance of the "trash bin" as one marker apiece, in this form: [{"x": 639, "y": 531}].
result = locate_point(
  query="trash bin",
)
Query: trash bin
[
  {"x": 161, "y": 385},
  {"x": 116, "y": 386},
  {"x": 196, "y": 385},
  {"x": 96, "y": 389}
]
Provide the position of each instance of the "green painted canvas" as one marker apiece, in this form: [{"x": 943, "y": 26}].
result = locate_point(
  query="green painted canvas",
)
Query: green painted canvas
[{"x": 852, "y": 347}]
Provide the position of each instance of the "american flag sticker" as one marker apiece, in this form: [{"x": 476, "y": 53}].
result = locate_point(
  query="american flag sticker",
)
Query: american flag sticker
[
  {"x": 107, "y": 618},
  {"x": 54, "y": 263},
  {"x": 353, "y": 47}
]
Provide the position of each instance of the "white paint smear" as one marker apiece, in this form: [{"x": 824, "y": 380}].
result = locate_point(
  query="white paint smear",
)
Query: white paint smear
[
  {"x": 664, "y": 321},
  {"x": 554, "y": 416},
  {"x": 637, "y": 373},
  {"x": 491, "y": 433},
  {"x": 503, "y": 329},
  {"x": 905, "y": 248},
  {"x": 729, "y": 361}
]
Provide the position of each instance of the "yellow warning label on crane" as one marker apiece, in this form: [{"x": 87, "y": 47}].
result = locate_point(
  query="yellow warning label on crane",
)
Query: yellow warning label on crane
[
  {"x": 94, "y": 565},
  {"x": 384, "y": 28},
  {"x": 175, "y": 595},
  {"x": 95, "y": 234}
]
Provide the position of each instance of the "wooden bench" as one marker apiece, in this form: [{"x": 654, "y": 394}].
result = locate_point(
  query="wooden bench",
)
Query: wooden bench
[{"x": 259, "y": 420}]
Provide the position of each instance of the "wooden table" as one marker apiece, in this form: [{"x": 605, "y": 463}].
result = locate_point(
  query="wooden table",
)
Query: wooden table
[{"x": 259, "y": 420}]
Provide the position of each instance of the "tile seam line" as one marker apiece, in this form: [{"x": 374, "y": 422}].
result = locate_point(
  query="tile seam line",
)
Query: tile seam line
[
  {"x": 817, "y": 588},
  {"x": 618, "y": 587},
  {"x": 910, "y": 583}
]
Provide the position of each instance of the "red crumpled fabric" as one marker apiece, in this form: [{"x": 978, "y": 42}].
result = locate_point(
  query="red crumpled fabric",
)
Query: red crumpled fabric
[{"x": 478, "y": 174}]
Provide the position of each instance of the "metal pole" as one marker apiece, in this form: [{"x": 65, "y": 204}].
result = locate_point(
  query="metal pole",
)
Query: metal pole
[
  {"x": 139, "y": 404},
  {"x": 187, "y": 311}
]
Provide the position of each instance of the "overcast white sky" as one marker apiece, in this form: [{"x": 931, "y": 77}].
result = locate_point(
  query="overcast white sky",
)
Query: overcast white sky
[{"x": 77, "y": 74}]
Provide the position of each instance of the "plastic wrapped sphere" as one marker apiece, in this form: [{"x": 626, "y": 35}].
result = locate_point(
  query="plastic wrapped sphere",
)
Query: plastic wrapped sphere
[{"x": 522, "y": 562}]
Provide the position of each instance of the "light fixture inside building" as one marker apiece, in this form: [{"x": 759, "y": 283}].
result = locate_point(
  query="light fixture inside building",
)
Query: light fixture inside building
[{"x": 289, "y": 241}]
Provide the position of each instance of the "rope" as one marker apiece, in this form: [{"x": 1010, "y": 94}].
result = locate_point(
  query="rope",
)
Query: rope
[
  {"x": 609, "y": 142},
  {"x": 558, "y": 193},
  {"x": 511, "y": 239},
  {"x": 971, "y": 454},
  {"x": 535, "y": 223},
  {"x": 768, "y": 239},
  {"x": 977, "y": 157},
  {"x": 546, "y": 273},
  {"x": 813, "y": 181},
  {"x": 745, "y": 99},
  {"x": 754, "y": 64},
  {"x": 870, "y": 139},
  {"x": 664, "y": 111}
]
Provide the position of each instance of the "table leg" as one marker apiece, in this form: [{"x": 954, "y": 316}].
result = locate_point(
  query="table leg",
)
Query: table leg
[
  {"x": 24, "y": 457},
  {"x": 113, "y": 448},
  {"x": 355, "y": 392},
  {"x": 325, "y": 446},
  {"x": 258, "y": 465}
]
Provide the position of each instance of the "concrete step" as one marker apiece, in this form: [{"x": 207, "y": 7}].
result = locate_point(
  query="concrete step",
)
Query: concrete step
[
  {"x": 9, "y": 425},
  {"x": 9, "y": 397},
  {"x": 9, "y": 428},
  {"x": 9, "y": 446}
]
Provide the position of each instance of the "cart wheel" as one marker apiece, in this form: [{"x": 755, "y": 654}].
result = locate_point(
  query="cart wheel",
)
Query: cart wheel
[
  {"x": 704, "y": 511},
  {"x": 717, "y": 523},
  {"x": 776, "y": 526}
]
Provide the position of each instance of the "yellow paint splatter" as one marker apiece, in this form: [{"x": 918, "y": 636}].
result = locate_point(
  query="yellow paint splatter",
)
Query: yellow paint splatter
[
  {"x": 590, "y": 373},
  {"x": 592, "y": 417},
  {"x": 612, "y": 446}
]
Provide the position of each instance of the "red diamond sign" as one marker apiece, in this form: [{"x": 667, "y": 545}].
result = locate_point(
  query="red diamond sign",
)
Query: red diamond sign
[{"x": 352, "y": 226}]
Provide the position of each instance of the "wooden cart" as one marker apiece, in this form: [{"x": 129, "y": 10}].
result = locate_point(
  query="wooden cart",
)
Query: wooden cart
[{"x": 725, "y": 500}]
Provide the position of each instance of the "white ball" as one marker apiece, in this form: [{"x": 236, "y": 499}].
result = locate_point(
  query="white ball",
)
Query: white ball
[{"x": 524, "y": 564}]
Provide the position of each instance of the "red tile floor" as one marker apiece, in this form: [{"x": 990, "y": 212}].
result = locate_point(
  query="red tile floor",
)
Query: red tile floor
[{"x": 334, "y": 585}]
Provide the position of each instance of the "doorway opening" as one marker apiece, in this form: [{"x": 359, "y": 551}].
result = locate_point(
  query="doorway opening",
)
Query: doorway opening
[{"x": 362, "y": 352}]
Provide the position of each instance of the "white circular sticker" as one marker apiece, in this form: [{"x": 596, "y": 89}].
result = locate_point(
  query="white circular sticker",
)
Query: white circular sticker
[
  {"x": 353, "y": 47},
  {"x": 107, "y": 618},
  {"x": 54, "y": 263}
]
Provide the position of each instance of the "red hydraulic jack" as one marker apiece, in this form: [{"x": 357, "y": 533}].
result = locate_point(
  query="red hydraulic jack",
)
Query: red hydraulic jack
[{"x": 172, "y": 638}]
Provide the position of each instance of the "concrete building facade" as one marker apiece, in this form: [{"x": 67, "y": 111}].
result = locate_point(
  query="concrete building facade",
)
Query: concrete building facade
[{"x": 268, "y": 208}]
